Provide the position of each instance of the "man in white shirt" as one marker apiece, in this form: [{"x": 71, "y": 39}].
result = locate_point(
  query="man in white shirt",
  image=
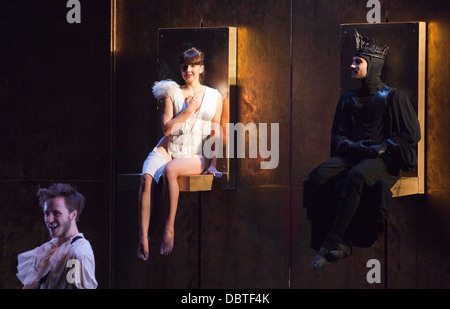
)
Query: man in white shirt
[{"x": 67, "y": 260}]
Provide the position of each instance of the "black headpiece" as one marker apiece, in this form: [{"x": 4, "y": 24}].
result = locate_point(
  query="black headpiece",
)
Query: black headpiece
[{"x": 370, "y": 47}]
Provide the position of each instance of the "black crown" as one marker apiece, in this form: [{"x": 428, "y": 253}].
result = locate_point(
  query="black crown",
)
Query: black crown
[{"x": 366, "y": 45}]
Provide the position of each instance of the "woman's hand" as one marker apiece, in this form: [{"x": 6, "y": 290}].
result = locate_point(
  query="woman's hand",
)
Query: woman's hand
[{"x": 193, "y": 103}]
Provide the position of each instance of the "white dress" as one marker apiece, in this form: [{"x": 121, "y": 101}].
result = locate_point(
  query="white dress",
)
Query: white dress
[{"x": 187, "y": 139}]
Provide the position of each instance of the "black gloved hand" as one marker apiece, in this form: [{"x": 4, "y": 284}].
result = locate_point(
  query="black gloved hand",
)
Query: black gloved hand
[
  {"x": 377, "y": 150},
  {"x": 356, "y": 150}
]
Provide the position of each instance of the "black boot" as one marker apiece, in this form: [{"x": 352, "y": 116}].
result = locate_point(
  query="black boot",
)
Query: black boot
[
  {"x": 320, "y": 262},
  {"x": 342, "y": 251}
]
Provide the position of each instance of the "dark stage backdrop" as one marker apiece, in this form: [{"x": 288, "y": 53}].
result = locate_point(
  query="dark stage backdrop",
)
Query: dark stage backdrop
[
  {"x": 55, "y": 123},
  {"x": 63, "y": 120}
]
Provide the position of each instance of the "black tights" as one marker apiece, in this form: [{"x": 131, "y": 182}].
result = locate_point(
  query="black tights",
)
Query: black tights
[{"x": 357, "y": 175}]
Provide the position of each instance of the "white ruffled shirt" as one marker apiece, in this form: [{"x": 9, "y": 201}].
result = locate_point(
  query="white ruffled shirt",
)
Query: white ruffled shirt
[{"x": 70, "y": 265}]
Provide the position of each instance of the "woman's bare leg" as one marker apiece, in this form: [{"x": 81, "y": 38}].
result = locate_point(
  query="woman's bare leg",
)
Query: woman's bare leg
[
  {"x": 145, "y": 201},
  {"x": 171, "y": 191}
]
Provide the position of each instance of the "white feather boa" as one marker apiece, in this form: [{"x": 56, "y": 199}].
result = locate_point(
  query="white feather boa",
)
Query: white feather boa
[{"x": 165, "y": 88}]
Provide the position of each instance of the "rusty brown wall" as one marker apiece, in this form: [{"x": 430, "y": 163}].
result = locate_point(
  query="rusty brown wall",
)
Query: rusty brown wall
[
  {"x": 417, "y": 237},
  {"x": 244, "y": 240},
  {"x": 288, "y": 73}
]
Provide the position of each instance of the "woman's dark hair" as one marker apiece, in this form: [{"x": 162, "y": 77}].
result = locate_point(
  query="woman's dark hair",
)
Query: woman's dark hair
[
  {"x": 74, "y": 200},
  {"x": 193, "y": 56}
]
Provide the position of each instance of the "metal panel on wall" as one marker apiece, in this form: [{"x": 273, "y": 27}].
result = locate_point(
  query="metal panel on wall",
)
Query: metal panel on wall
[
  {"x": 220, "y": 47},
  {"x": 404, "y": 69}
]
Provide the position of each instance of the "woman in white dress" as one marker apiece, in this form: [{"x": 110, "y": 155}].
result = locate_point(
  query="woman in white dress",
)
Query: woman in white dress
[{"x": 190, "y": 113}]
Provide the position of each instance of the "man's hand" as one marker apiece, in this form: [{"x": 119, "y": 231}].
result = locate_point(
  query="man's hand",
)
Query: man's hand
[
  {"x": 377, "y": 150},
  {"x": 358, "y": 150}
]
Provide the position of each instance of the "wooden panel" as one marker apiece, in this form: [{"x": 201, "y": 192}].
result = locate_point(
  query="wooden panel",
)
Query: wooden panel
[
  {"x": 405, "y": 69},
  {"x": 245, "y": 238},
  {"x": 406, "y": 186},
  {"x": 193, "y": 183},
  {"x": 220, "y": 48}
]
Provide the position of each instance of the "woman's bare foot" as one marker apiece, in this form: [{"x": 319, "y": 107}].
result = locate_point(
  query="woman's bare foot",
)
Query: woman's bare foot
[
  {"x": 142, "y": 252},
  {"x": 167, "y": 242}
]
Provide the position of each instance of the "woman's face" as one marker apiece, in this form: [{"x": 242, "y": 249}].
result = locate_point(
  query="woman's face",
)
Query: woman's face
[{"x": 190, "y": 72}]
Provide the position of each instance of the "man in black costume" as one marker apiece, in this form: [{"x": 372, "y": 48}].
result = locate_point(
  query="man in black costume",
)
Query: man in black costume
[{"x": 374, "y": 136}]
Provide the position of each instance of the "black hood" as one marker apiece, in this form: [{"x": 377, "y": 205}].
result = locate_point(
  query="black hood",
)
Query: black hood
[
  {"x": 374, "y": 52},
  {"x": 372, "y": 82}
]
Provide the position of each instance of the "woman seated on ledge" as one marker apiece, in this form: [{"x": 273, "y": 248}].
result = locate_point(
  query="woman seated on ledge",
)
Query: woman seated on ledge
[{"x": 189, "y": 114}]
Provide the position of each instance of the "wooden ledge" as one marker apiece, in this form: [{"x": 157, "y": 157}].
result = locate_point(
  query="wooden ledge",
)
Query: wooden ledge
[
  {"x": 187, "y": 183},
  {"x": 406, "y": 186},
  {"x": 194, "y": 183}
]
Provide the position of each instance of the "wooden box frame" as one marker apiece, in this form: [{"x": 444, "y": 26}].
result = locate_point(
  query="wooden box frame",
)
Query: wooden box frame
[
  {"x": 220, "y": 48},
  {"x": 405, "y": 69}
]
